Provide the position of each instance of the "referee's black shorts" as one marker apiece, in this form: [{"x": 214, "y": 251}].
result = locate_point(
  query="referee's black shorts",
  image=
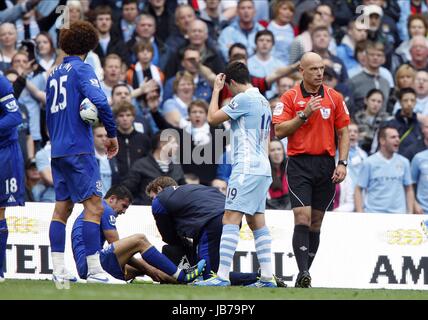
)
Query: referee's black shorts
[{"x": 309, "y": 181}]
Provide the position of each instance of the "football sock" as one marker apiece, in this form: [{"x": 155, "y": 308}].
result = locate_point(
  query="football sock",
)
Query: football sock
[
  {"x": 57, "y": 241},
  {"x": 301, "y": 246},
  {"x": 228, "y": 243},
  {"x": 3, "y": 241},
  {"x": 156, "y": 259},
  {"x": 91, "y": 239},
  {"x": 314, "y": 242},
  {"x": 263, "y": 242}
]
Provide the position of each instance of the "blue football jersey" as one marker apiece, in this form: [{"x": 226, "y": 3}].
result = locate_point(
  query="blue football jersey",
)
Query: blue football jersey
[
  {"x": 251, "y": 119},
  {"x": 67, "y": 86},
  {"x": 10, "y": 116}
]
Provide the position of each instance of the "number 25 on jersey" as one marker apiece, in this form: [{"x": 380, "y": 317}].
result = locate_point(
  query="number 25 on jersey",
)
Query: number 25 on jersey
[{"x": 59, "y": 101}]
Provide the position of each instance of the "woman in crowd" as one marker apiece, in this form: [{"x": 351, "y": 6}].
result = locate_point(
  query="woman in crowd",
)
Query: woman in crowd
[
  {"x": 369, "y": 119},
  {"x": 278, "y": 197},
  {"x": 175, "y": 110}
]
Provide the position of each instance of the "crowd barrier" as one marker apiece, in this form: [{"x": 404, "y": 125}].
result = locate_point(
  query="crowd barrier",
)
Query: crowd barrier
[{"x": 357, "y": 250}]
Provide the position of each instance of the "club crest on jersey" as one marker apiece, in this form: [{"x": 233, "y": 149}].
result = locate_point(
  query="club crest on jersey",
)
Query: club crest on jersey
[
  {"x": 233, "y": 105},
  {"x": 99, "y": 186},
  {"x": 112, "y": 221},
  {"x": 279, "y": 107},
  {"x": 325, "y": 113},
  {"x": 12, "y": 106}
]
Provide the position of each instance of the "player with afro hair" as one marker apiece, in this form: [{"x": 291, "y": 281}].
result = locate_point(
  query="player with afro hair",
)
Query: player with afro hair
[{"x": 79, "y": 39}]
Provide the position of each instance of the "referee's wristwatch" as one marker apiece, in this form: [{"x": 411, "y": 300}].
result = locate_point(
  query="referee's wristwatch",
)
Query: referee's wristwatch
[
  {"x": 302, "y": 116},
  {"x": 343, "y": 162}
]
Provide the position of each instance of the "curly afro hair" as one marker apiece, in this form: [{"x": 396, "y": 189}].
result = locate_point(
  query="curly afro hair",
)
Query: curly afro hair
[{"x": 79, "y": 39}]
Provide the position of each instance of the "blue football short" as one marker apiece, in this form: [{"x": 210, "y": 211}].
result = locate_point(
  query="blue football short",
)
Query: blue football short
[
  {"x": 12, "y": 184},
  {"x": 247, "y": 193},
  {"x": 108, "y": 261},
  {"x": 76, "y": 177}
]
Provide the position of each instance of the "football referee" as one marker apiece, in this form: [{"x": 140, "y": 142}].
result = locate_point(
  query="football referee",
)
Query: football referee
[{"x": 311, "y": 115}]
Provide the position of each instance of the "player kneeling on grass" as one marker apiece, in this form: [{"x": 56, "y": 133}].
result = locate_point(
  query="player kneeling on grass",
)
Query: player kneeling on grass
[{"x": 118, "y": 257}]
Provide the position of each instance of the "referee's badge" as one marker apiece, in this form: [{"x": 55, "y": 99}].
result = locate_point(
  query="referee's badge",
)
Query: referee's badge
[
  {"x": 279, "y": 107},
  {"x": 325, "y": 113}
]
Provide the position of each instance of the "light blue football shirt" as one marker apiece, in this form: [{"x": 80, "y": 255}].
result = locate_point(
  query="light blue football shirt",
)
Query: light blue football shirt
[
  {"x": 384, "y": 181},
  {"x": 251, "y": 121},
  {"x": 419, "y": 169}
]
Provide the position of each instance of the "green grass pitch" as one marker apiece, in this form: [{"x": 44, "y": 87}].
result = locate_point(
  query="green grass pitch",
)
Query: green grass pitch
[{"x": 41, "y": 290}]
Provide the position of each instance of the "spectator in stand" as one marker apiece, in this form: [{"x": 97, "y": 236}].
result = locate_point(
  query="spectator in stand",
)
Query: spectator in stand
[
  {"x": 320, "y": 44},
  {"x": 204, "y": 148},
  {"x": 109, "y": 42},
  {"x": 32, "y": 96},
  {"x": 370, "y": 77},
  {"x": 263, "y": 63},
  {"x": 243, "y": 30},
  {"x": 184, "y": 15},
  {"x": 109, "y": 171},
  {"x": 301, "y": 8},
  {"x": 190, "y": 63},
  {"x": 419, "y": 170},
  {"x": 346, "y": 50},
  {"x": 404, "y": 78},
  {"x": 8, "y": 43},
  {"x": 159, "y": 162},
  {"x": 33, "y": 182},
  {"x": 125, "y": 27},
  {"x": 32, "y": 22},
  {"x": 407, "y": 9},
  {"x": 285, "y": 83},
  {"x": 417, "y": 25},
  {"x": 144, "y": 69},
  {"x": 10, "y": 14},
  {"x": 418, "y": 145},
  {"x": 381, "y": 29},
  {"x": 370, "y": 118},
  {"x": 356, "y": 155},
  {"x": 122, "y": 92},
  {"x": 75, "y": 11},
  {"x": 326, "y": 12},
  {"x": 197, "y": 39},
  {"x": 214, "y": 17},
  {"x": 405, "y": 120},
  {"x": 361, "y": 56},
  {"x": 343, "y": 13},
  {"x": 43, "y": 163},
  {"x": 278, "y": 197},
  {"x": 163, "y": 16},
  {"x": 421, "y": 88},
  {"x": 133, "y": 145},
  {"x": 282, "y": 28},
  {"x": 385, "y": 178},
  {"x": 112, "y": 77},
  {"x": 418, "y": 54},
  {"x": 146, "y": 31},
  {"x": 175, "y": 110},
  {"x": 45, "y": 49},
  {"x": 303, "y": 42}
]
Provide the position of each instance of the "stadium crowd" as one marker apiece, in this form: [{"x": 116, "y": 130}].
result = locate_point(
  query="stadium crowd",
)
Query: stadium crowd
[{"x": 157, "y": 60}]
